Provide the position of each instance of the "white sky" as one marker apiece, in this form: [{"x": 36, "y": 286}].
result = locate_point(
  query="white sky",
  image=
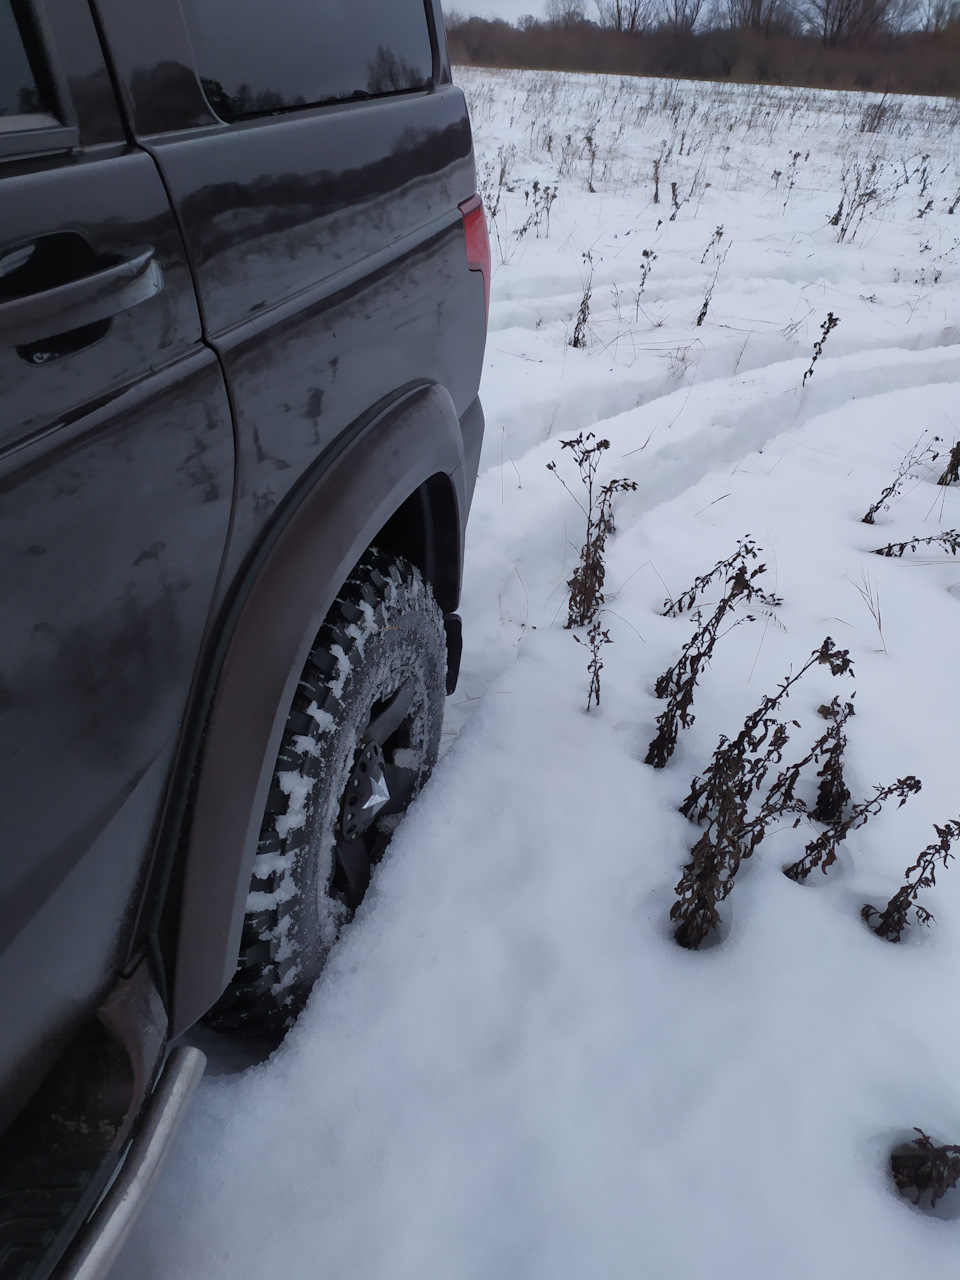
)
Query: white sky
[{"x": 509, "y": 9}]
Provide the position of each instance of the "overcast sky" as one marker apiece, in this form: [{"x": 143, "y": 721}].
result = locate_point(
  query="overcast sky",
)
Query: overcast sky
[{"x": 509, "y": 9}]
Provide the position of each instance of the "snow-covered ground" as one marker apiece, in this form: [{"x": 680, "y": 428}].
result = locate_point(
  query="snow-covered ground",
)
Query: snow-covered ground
[{"x": 510, "y": 1071}]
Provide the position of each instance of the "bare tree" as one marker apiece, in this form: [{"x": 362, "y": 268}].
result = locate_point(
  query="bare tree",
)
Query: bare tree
[
  {"x": 626, "y": 15},
  {"x": 936, "y": 15},
  {"x": 758, "y": 15},
  {"x": 903, "y": 15},
  {"x": 839, "y": 21},
  {"x": 680, "y": 15},
  {"x": 566, "y": 13}
]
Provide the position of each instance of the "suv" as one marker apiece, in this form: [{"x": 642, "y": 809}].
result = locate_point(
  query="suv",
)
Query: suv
[{"x": 243, "y": 285}]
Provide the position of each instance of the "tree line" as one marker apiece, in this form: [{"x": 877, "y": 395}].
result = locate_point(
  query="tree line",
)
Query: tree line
[{"x": 899, "y": 46}]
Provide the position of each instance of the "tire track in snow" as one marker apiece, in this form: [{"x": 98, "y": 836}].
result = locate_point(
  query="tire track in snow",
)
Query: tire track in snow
[
  {"x": 749, "y": 401},
  {"x": 720, "y": 421},
  {"x": 529, "y": 530}
]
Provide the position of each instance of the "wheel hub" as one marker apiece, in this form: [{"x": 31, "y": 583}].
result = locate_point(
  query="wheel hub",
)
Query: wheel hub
[{"x": 365, "y": 794}]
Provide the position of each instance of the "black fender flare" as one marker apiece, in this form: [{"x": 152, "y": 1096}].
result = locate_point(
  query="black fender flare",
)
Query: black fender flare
[{"x": 294, "y": 581}]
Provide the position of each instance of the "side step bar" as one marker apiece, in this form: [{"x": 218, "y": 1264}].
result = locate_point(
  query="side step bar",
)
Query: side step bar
[{"x": 98, "y": 1244}]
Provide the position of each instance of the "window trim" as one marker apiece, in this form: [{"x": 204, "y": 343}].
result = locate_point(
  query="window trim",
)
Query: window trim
[
  {"x": 434, "y": 26},
  {"x": 39, "y": 134},
  {"x": 47, "y": 132},
  {"x": 323, "y": 104}
]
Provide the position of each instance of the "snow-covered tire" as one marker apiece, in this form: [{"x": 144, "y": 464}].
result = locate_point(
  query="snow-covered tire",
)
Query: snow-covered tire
[{"x": 359, "y": 743}]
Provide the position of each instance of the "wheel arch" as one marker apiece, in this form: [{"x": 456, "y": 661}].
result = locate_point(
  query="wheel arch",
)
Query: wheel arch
[
  {"x": 399, "y": 484},
  {"x": 425, "y": 530}
]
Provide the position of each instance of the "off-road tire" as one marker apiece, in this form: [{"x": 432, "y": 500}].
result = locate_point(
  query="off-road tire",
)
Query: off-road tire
[{"x": 380, "y": 655}]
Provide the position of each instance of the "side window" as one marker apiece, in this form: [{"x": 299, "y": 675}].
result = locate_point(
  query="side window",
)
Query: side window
[
  {"x": 19, "y": 94},
  {"x": 259, "y": 56}
]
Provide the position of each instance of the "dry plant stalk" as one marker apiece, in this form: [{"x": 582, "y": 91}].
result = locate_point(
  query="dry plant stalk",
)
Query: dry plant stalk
[
  {"x": 746, "y": 550},
  {"x": 649, "y": 258},
  {"x": 910, "y": 460},
  {"x": 586, "y": 585},
  {"x": 949, "y": 539},
  {"x": 579, "y": 339},
  {"x": 891, "y": 922},
  {"x": 597, "y": 637},
  {"x": 861, "y": 189},
  {"x": 782, "y": 798},
  {"x": 713, "y": 244},
  {"x": 833, "y": 792},
  {"x": 926, "y": 1167},
  {"x": 822, "y": 852},
  {"x": 677, "y": 684},
  {"x": 707, "y": 794},
  {"x": 708, "y": 296},
  {"x": 543, "y": 198},
  {"x": 720, "y": 799},
  {"x": 826, "y": 329},
  {"x": 952, "y": 473}
]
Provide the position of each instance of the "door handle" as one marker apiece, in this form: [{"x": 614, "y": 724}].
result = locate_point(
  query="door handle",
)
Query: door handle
[{"x": 80, "y": 302}]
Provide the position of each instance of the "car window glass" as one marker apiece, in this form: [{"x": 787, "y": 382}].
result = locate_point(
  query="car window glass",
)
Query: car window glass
[
  {"x": 18, "y": 89},
  {"x": 258, "y": 56}
]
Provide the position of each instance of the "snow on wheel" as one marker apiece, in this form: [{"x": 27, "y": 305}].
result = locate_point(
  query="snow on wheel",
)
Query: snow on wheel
[{"x": 360, "y": 741}]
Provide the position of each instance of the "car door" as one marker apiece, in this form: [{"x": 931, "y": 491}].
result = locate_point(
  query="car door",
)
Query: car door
[
  {"x": 316, "y": 175},
  {"x": 116, "y": 476}
]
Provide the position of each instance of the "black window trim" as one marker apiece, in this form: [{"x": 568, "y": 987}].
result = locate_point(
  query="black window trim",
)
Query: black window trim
[
  {"x": 24, "y": 136},
  {"x": 42, "y": 133},
  {"x": 437, "y": 70},
  {"x": 322, "y": 104}
]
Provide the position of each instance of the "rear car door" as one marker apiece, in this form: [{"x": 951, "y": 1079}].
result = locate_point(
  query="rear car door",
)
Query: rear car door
[
  {"x": 116, "y": 477},
  {"x": 315, "y": 154}
]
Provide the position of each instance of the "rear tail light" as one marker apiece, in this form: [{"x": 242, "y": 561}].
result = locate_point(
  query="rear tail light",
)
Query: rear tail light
[{"x": 478, "y": 244}]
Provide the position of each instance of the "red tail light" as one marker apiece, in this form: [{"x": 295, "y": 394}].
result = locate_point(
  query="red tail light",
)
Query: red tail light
[{"x": 478, "y": 244}]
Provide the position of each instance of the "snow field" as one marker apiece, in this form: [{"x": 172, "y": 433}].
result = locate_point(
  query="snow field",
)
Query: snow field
[{"x": 509, "y": 1071}]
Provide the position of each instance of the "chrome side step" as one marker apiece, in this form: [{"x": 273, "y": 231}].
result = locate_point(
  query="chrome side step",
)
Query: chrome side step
[{"x": 98, "y": 1244}]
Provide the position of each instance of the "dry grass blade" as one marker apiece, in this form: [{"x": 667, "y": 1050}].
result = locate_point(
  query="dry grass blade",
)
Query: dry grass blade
[{"x": 870, "y": 595}]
